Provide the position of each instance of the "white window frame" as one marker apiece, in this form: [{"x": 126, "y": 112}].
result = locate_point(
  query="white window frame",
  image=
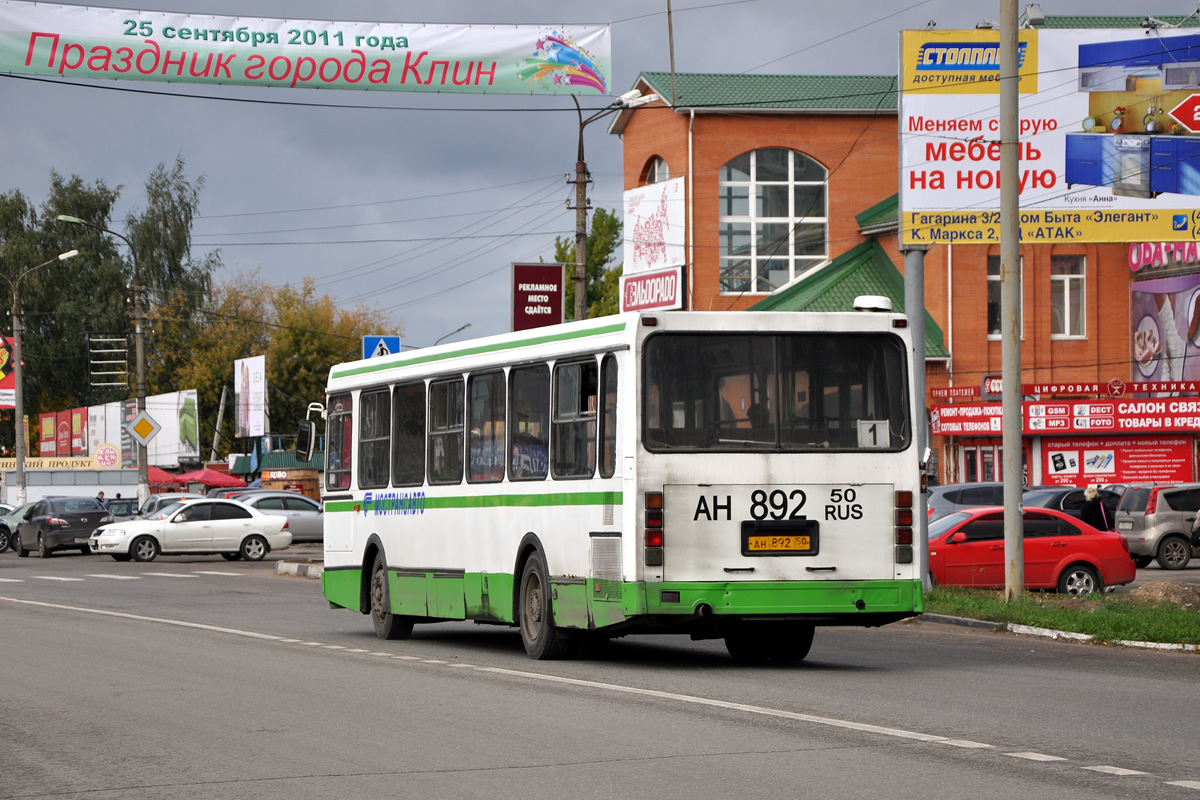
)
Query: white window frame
[
  {"x": 747, "y": 279},
  {"x": 1067, "y": 280},
  {"x": 987, "y": 320},
  {"x": 657, "y": 171}
]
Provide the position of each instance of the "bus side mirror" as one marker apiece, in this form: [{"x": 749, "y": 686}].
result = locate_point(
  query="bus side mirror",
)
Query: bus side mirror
[{"x": 306, "y": 440}]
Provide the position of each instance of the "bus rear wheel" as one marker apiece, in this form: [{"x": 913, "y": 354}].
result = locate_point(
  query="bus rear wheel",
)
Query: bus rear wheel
[
  {"x": 542, "y": 639},
  {"x": 387, "y": 625},
  {"x": 774, "y": 642}
]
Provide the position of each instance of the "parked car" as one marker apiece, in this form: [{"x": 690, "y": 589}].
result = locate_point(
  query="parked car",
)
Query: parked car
[
  {"x": 59, "y": 523},
  {"x": 1158, "y": 521},
  {"x": 1070, "y": 500},
  {"x": 955, "y": 496},
  {"x": 122, "y": 507},
  {"x": 306, "y": 518},
  {"x": 195, "y": 526},
  {"x": 157, "y": 502},
  {"x": 8, "y": 525},
  {"x": 229, "y": 491},
  {"x": 5, "y": 508},
  {"x": 966, "y": 548}
]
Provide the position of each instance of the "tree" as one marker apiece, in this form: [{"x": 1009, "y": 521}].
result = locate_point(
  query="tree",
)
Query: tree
[{"x": 603, "y": 282}]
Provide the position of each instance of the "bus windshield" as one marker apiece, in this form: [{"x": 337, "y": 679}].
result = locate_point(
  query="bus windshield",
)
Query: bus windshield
[{"x": 785, "y": 392}]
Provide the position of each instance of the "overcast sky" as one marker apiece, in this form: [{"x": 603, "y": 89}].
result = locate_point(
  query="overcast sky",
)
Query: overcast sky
[{"x": 457, "y": 186}]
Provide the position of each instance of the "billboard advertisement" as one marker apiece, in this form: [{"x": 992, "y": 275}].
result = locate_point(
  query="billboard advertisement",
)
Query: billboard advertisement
[
  {"x": 46, "y": 446},
  {"x": 1164, "y": 314},
  {"x": 62, "y": 434},
  {"x": 177, "y": 441},
  {"x": 79, "y": 431},
  {"x": 1088, "y": 462},
  {"x": 539, "y": 295},
  {"x": 250, "y": 396},
  {"x": 661, "y": 290},
  {"x": 8, "y": 374},
  {"x": 654, "y": 226},
  {"x": 1109, "y": 136},
  {"x": 73, "y": 42}
]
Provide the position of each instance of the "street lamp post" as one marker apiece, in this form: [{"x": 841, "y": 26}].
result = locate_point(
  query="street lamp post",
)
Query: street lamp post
[
  {"x": 451, "y": 333},
  {"x": 139, "y": 348},
  {"x": 631, "y": 99},
  {"x": 18, "y": 394}
]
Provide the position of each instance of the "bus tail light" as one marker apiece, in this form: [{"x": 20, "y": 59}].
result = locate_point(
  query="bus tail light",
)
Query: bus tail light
[
  {"x": 903, "y": 527},
  {"x": 654, "y": 529}
]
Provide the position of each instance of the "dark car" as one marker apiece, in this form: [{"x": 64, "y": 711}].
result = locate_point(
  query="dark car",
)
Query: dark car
[
  {"x": 59, "y": 523},
  {"x": 957, "y": 496},
  {"x": 1070, "y": 500},
  {"x": 123, "y": 507}
]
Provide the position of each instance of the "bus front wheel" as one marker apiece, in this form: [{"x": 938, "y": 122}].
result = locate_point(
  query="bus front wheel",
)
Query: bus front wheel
[
  {"x": 387, "y": 625},
  {"x": 542, "y": 639},
  {"x": 775, "y": 642}
]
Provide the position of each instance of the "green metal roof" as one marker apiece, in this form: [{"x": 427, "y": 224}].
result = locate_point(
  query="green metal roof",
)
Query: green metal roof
[
  {"x": 284, "y": 460},
  {"x": 842, "y": 93},
  {"x": 1115, "y": 22},
  {"x": 884, "y": 212},
  {"x": 866, "y": 269}
]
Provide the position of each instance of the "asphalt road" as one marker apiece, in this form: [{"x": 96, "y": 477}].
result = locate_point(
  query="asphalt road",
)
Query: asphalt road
[{"x": 197, "y": 677}]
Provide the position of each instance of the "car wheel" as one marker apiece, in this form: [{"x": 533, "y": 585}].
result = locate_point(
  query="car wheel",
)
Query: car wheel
[
  {"x": 43, "y": 552},
  {"x": 231, "y": 556},
  {"x": 5, "y": 540},
  {"x": 1141, "y": 562},
  {"x": 1174, "y": 552},
  {"x": 144, "y": 548},
  {"x": 254, "y": 548},
  {"x": 120, "y": 556},
  {"x": 542, "y": 639},
  {"x": 387, "y": 625},
  {"x": 21, "y": 551},
  {"x": 1079, "y": 580}
]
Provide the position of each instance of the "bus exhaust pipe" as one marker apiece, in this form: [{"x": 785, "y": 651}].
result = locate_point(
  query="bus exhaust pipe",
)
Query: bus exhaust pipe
[{"x": 704, "y": 610}]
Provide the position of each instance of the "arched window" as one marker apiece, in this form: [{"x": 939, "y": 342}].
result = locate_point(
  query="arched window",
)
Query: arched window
[
  {"x": 656, "y": 171},
  {"x": 774, "y": 219}
]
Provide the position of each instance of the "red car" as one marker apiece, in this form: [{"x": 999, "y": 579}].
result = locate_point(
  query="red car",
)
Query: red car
[{"x": 966, "y": 548}]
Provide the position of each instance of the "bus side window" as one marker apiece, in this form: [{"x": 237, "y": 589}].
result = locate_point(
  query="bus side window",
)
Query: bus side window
[
  {"x": 408, "y": 434},
  {"x": 374, "y": 439},
  {"x": 340, "y": 432},
  {"x": 574, "y": 432},
  {"x": 529, "y": 422},
  {"x": 486, "y": 461},
  {"x": 608, "y": 421},
  {"x": 446, "y": 431}
]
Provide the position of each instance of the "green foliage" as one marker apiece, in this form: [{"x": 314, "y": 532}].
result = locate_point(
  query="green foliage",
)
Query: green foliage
[
  {"x": 1106, "y": 617},
  {"x": 603, "y": 280}
]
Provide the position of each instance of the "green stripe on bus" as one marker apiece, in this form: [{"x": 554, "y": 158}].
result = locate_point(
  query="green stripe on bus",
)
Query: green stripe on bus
[
  {"x": 496, "y": 501},
  {"x": 471, "y": 351}
]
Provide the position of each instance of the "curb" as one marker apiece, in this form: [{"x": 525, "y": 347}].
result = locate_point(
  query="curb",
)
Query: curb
[
  {"x": 1049, "y": 633},
  {"x": 297, "y": 570}
]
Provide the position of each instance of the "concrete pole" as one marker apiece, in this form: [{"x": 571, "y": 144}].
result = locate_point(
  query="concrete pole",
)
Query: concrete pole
[
  {"x": 581, "y": 233},
  {"x": 914, "y": 307},
  {"x": 19, "y": 401},
  {"x": 1010, "y": 303}
]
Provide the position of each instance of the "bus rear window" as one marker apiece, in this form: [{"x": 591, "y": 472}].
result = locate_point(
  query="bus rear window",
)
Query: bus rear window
[{"x": 791, "y": 392}]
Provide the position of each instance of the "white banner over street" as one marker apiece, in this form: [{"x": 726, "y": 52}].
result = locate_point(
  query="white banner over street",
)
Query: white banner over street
[{"x": 92, "y": 42}]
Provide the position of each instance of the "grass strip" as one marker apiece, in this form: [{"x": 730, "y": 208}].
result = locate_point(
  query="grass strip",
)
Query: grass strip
[{"x": 1107, "y": 618}]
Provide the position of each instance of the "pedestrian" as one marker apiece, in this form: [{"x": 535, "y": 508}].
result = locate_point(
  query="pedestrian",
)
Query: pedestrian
[
  {"x": 100, "y": 499},
  {"x": 1093, "y": 512}
]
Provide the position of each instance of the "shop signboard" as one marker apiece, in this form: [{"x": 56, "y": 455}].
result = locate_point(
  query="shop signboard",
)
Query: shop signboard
[
  {"x": 658, "y": 290},
  {"x": 1081, "y": 461},
  {"x": 1173, "y": 415},
  {"x": 539, "y": 295},
  {"x": 79, "y": 42},
  {"x": 654, "y": 226},
  {"x": 1102, "y": 158}
]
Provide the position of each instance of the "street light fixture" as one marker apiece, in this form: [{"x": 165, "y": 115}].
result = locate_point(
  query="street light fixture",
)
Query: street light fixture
[
  {"x": 631, "y": 99},
  {"x": 139, "y": 348},
  {"x": 18, "y": 394},
  {"x": 451, "y": 333}
]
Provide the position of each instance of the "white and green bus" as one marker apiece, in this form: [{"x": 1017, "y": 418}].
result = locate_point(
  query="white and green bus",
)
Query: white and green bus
[{"x": 736, "y": 475}]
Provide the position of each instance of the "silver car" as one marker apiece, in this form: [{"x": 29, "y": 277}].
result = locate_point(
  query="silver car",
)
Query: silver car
[
  {"x": 306, "y": 518},
  {"x": 1157, "y": 521},
  {"x": 157, "y": 502},
  {"x": 953, "y": 497}
]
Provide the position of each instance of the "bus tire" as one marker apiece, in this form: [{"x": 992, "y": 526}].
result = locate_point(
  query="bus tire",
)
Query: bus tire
[
  {"x": 542, "y": 639},
  {"x": 387, "y": 625},
  {"x": 774, "y": 642}
]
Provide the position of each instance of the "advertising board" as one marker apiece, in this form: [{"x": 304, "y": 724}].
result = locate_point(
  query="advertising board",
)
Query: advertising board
[
  {"x": 1109, "y": 136},
  {"x": 250, "y": 396},
  {"x": 654, "y": 226},
  {"x": 8, "y": 374},
  {"x": 538, "y": 295},
  {"x": 658, "y": 290},
  {"x": 1177, "y": 415},
  {"x": 1079, "y": 461}
]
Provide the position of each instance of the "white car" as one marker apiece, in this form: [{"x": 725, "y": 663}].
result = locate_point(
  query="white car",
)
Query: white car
[{"x": 197, "y": 526}]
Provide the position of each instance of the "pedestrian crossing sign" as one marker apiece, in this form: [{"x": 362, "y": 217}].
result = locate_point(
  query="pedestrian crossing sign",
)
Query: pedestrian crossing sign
[{"x": 376, "y": 346}]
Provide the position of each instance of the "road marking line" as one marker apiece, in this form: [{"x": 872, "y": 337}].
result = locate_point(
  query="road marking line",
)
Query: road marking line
[
  {"x": 1036, "y": 756},
  {"x": 431, "y": 661},
  {"x": 333, "y": 647},
  {"x": 142, "y": 618},
  {"x": 404, "y": 658},
  {"x": 116, "y": 577},
  {"x": 53, "y": 578},
  {"x": 967, "y": 743},
  {"x": 11, "y": 580},
  {"x": 462, "y": 666},
  {"x": 1116, "y": 770},
  {"x": 288, "y": 641},
  {"x": 357, "y": 650},
  {"x": 310, "y": 644},
  {"x": 168, "y": 574},
  {"x": 1185, "y": 784},
  {"x": 215, "y": 572}
]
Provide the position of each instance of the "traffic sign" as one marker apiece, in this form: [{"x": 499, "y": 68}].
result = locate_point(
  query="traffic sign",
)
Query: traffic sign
[
  {"x": 376, "y": 346},
  {"x": 143, "y": 428},
  {"x": 1188, "y": 113}
]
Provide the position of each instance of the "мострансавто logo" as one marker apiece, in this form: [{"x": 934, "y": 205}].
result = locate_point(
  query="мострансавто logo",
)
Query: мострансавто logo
[{"x": 964, "y": 57}]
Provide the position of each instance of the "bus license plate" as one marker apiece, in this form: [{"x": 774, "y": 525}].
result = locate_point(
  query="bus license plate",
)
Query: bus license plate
[{"x": 778, "y": 543}]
